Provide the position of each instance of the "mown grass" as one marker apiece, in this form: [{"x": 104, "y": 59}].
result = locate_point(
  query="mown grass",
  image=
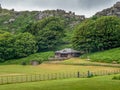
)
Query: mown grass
[
  {"x": 105, "y": 56},
  {"x": 50, "y": 68},
  {"x": 43, "y": 56},
  {"x": 96, "y": 83}
]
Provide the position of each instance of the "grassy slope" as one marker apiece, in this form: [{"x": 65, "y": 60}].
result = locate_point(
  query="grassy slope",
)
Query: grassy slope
[
  {"x": 97, "y": 83},
  {"x": 105, "y": 56},
  {"x": 38, "y": 56},
  {"x": 85, "y": 62}
]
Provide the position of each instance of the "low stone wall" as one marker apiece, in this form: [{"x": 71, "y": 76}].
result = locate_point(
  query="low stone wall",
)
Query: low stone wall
[{"x": 58, "y": 58}]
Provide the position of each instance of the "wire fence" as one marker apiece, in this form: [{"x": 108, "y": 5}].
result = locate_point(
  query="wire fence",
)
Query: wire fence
[{"x": 53, "y": 76}]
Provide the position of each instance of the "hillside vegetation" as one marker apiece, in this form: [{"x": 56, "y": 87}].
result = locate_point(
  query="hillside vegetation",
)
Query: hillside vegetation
[
  {"x": 109, "y": 56},
  {"x": 14, "y": 21},
  {"x": 24, "y": 33},
  {"x": 43, "y": 56},
  {"x": 97, "y": 34}
]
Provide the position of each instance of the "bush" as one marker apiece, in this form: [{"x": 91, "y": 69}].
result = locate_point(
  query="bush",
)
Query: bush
[
  {"x": 1, "y": 60},
  {"x": 16, "y": 46},
  {"x": 90, "y": 74},
  {"x": 36, "y": 62},
  {"x": 23, "y": 63},
  {"x": 116, "y": 78}
]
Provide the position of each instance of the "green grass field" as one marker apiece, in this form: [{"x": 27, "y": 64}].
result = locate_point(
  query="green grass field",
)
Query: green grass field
[
  {"x": 28, "y": 73},
  {"x": 14, "y": 68},
  {"x": 96, "y": 83},
  {"x": 49, "y": 68}
]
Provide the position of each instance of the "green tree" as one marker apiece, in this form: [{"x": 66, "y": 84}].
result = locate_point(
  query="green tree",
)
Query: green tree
[
  {"x": 16, "y": 46},
  {"x": 48, "y": 32},
  {"x": 6, "y": 46},
  {"x": 24, "y": 45},
  {"x": 97, "y": 34}
]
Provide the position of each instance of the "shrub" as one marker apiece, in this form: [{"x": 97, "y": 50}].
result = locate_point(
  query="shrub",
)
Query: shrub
[
  {"x": 23, "y": 63},
  {"x": 116, "y": 78}
]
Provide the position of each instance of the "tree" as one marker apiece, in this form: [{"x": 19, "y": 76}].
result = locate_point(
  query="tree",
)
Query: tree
[
  {"x": 82, "y": 38},
  {"x": 16, "y": 46},
  {"x": 6, "y": 46},
  {"x": 48, "y": 32},
  {"x": 24, "y": 45},
  {"x": 97, "y": 34}
]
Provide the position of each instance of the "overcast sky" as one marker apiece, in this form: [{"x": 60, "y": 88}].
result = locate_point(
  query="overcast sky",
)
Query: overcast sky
[{"x": 81, "y": 7}]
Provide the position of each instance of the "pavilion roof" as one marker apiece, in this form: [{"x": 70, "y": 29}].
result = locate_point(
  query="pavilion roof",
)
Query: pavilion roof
[{"x": 68, "y": 50}]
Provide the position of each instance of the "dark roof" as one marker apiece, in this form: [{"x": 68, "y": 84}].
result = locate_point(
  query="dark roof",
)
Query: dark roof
[{"x": 67, "y": 50}]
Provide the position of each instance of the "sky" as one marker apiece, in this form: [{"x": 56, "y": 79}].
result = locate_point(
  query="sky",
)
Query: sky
[{"x": 80, "y": 7}]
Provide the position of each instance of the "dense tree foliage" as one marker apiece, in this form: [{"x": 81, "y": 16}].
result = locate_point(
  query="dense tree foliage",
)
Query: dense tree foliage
[
  {"x": 24, "y": 45},
  {"x": 94, "y": 34},
  {"x": 6, "y": 45},
  {"x": 16, "y": 46},
  {"x": 48, "y": 32},
  {"x": 97, "y": 34},
  {"x": 42, "y": 35}
]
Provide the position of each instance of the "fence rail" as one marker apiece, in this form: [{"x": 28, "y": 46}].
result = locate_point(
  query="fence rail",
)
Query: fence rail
[{"x": 52, "y": 76}]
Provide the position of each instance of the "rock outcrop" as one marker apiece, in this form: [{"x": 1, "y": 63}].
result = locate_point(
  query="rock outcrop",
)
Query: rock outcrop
[
  {"x": 115, "y": 10},
  {"x": 0, "y": 8},
  {"x": 71, "y": 18},
  {"x": 12, "y": 20},
  {"x": 59, "y": 12}
]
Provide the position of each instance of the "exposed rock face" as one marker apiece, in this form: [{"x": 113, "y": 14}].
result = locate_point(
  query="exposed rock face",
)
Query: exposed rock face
[
  {"x": 9, "y": 21},
  {"x": 58, "y": 12},
  {"x": 69, "y": 16},
  {"x": 10, "y": 17},
  {"x": 0, "y": 8},
  {"x": 115, "y": 10}
]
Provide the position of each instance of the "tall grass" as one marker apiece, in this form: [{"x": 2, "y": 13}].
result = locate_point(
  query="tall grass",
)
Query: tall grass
[{"x": 108, "y": 56}]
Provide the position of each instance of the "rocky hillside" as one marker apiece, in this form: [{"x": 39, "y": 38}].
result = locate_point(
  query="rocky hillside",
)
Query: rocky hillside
[
  {"x": 114, "y": 10},
  {"x": 14, "y": 21}
]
